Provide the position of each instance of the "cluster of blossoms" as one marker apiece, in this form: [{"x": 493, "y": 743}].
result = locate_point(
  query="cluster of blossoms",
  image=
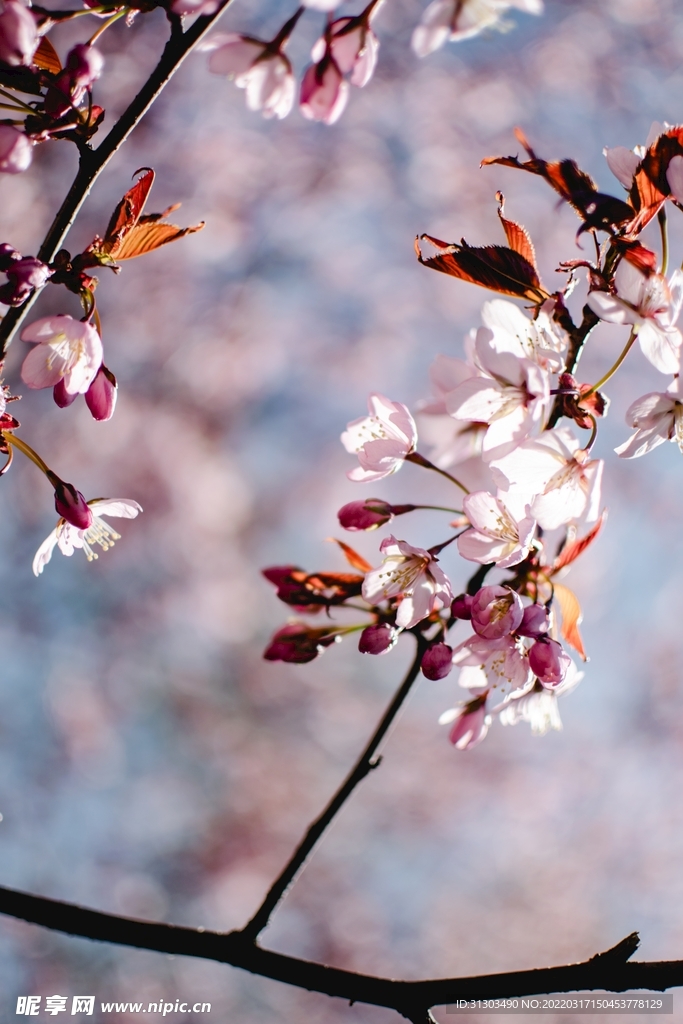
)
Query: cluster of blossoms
[{"x": 512, "y": 420}]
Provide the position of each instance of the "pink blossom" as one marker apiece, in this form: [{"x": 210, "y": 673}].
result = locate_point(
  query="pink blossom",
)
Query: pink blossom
[
  {"x": 657, "y": 417},
  {"x": 623, "y": 162},
  {"x": 462, "y": 19},
  {"x": 101, "y": 395},
  {"x": 16, "y": 150},
  {"x": 554, "y": 476},
  {"x": 537, "y": 704},
  {"x": 68, "y": 537},
  {"x": 452, "y": 441},
  {"x": 496, "y": 611},
  {"x": 496, "y": 534},
  {"x": 540, "y": 339},
  {"x": 324, "y": 91},
  {"x": 65, "y": 349},
  {"x": 83, "y": 67},
  {"x": 184, "y": 7},
  {"x": 411, "y": 574},
  {"x": 470, "y": 723},
  {"x": 651, "y": 304},
  {"x": 353, "y": 46},
  {"x": 266, "y": 75},
  {"x": 377, "y": 639},
  {"x": 512, "y": 395},
  {"x": 548, "y": 661},
  {"x": 500, "y": 663},
  {"x": 381, "y": 440},
  {"x": 437, "y": 661},
  {"x": 19, "y": 36}
]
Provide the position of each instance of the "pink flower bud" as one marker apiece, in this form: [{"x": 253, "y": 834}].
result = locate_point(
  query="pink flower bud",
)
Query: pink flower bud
[
  {"x": 377, "y": 639},
  {"x": 62, "y": 397},
  {"x": 496, "y": 611},
  {"x": 297, "y": 643},
  {"x": 16, "y": 150},
  {"x": 24, "y": 275},
  {"x": 462, "y": 606},
  {"x": 18, "y": 34},
  {"x": 365, "y": 515},
  {"x": 437, "y": 661},
  {"x": 83, "y": 67},
  {"x": 548, "y": 661},
  {"x": 471, "y": 725},
  {"x": 323, "y": 92},
  {"x": 101, "y": 395},
  {"x": 70, "y": 504},
  {"x": 534, "y": 622}
]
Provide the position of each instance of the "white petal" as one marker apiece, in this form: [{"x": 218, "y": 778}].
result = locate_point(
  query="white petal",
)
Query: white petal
[
  {"x": 611, "y": 308},
  {"x": 44, "y": 553},
  {"x": 124, "y": 508},
  {"x": 622, "y": 163},
  {"x": 660, "y": 346}
]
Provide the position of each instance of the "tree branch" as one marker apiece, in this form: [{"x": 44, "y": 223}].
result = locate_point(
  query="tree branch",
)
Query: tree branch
[
  {"x": 365, "y": 763},
  {"x": 92, "y": 162},
  {"x": 608, "y": 971}
]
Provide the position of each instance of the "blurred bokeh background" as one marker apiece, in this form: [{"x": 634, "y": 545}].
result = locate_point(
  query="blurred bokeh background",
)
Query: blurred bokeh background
[{"x": 150, "y": 762}]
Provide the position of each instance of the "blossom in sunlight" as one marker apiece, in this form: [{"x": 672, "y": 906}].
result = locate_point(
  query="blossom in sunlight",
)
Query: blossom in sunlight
[
  {"x": 657, "y": 417},
  {"x": 381, "y": 440},
  {"x": 469, "y": 723},
  {"x": 537, "y": 704},
  {"x": 453, "y": 441},
  {"x": 19, "y": 36},
  {"x": 454, "y": 20},
  {"x": 511, "y": 394},
  {"x": 68, "y": 537},
  {"x": 65, "y": 350},
  {"x": 500, "y": 663},
  {"x": 554, "y": 476},
  {"x": 411, "y": 574},
  {"x": 651, "y": 304},
  {"x": 540, "y": 340},
  {"x": 623, "y": 162},
  {"x": 496, "y": 611},
  {"x": 354, "y": 47},
  {"x": 265, "y": 74},
  {"x": 324, "y": 91},
  {"x": 16, "y": 150},
  {"x": 496, "y": 534}
]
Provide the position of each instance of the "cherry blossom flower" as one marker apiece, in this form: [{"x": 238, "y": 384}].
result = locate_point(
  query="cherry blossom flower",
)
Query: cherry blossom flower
[
  {"x": 437, "y": 661},
  {"x": 369, "y": 514},
  {"x": 496, "y": 534},
  {"x": 411, "y": 574},
  {"x": 537, "y": 704},
  {"x": 70, "y": 504},
  {"x": 324, "y": 91},
  {"x": 540, "y": 340},
  {"x": 496, "y": 611},
  {"x": 68, "y": 537},
  {"x": 512, "y": 395},
  {"x": 623, "y": 162},
  {"x": 19, "y": 36},
  {"x": 470, "y": 723},
  {"x": 657, "y": 417},
  {"x": 452, "y": 442},
  {"x": 535, "y": 621},
  {"x": 354, "y": 47},
  {"x": 462, "y": 19},
  {"x": 499, "y": 663},
  {"x": 554, "y": 476},
  {"x": 16, "y": 150},
  {"x": 65, "y": 350},
  {"x": 651, "y": 304},
  {"x": 265, "y": 73},
  {"x": 381, "y": 440}
]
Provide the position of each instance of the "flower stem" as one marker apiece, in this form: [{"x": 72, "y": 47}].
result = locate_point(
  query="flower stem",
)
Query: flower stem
[
  {"x": 103, "y": 28},
  {"x": 15, "y": 442},
  {"x": 661, "y": 218},
  {"x": 420, "y": 460},
  {"x": 613, "y": 369}
]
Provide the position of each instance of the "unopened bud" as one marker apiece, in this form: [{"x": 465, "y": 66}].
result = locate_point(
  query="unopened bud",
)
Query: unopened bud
[
  {"x": 70, "y": 504},
  {"x": 365, "y": 515},
  {"x": 462, "y": 606},
  {"x": 535, "y": 621},
  {"x": 297, "y": 643},
  {"x": 18, "y": 34},
  {"x": 62, "y": 397},
  {"x": 548, "y": 661},
  {"x": 437, "y": 661},
  {"x": 101, "y": 395},
  {"x": 377, "y": 639}
]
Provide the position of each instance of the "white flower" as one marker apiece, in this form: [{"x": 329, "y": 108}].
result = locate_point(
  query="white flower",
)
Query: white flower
[
  {"x": 657, "y": 417},
  {"x": 381, "y": 440},
  {"x": 68, "y": 537},
  {"x": 500, "y": 663},
  {"x": 537, "y": 704},
  {"x": 497, "y": 535},
  {"x": 512, "y": 394},
  {"x": 412, "y": 574},
  {"x": 65, "y": 349},
  {"x": 267, "y": 77},
  {"x": 651, "y": 304},
  {"x": 623, "y": 162},
  {"x": 554, "y": 476},
  {"x": 540, "y": 340},
  {"x": 462, "y": 19}
]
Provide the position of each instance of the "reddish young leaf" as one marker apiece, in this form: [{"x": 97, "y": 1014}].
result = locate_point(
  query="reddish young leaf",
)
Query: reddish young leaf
[
  {"x": 644, "y": 259},
  {"x": 650, "y": 188},
  {"x": 493, "y": 266},
  {"x": 128, "y": 211},
  {"x": 573, "y": 548},
  {"x": 571, "y": 617},
  {"x": 46, "y": 57},
  {"x": 518, "y": 237},
  {"x": 352, "y": 557},
  {"x": 149, "y": 235}
]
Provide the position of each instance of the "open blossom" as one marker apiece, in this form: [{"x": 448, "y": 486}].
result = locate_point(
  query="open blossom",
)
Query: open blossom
[
  {"x": 462, "y": 19},
  {"x": 496, "y": 611},
  {"x": 68, "y": 537},
  {"x": 500, "y": 663},
  {"x": 381, "y": 440},
  {"x": 19, "y": 36},
  {"x": 353, "y": 46},
  {"x": 537, "y": 704},
  {"x": 657, "y": 417},
  {"x": 469, "y": 723},
  {"x": 264, "y": 74},
  {"x": 554, "y": 476},
  {"x": 411, "y": 574},
  {"x": 511, "y": 394},
  {"x": 651, "y": 304},
  {"x": 540, "y": 340},
  {"x": 16, "y": 150},
  {"x": 324, "y": 91},
  {"x": 623, "y": 162},
  {"x": 65, "y": 350},
  {"x": 496, "y": 534}
]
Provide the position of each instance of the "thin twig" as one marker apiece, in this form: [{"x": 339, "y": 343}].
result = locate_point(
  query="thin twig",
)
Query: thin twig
[
  {"x": 365, "y": 763},
  {"x": 93, "y": 162}
]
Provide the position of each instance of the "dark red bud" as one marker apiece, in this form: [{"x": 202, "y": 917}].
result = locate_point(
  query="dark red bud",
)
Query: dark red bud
[
  {"x": 377, "y": 639},
  {"x": 462, "y": 606},
  {"x": 101, "y": 395},
  {"x": 62, "y": 397},
  {"x": 70, "y": 504},
  {"x": 437, "y": 661}
]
